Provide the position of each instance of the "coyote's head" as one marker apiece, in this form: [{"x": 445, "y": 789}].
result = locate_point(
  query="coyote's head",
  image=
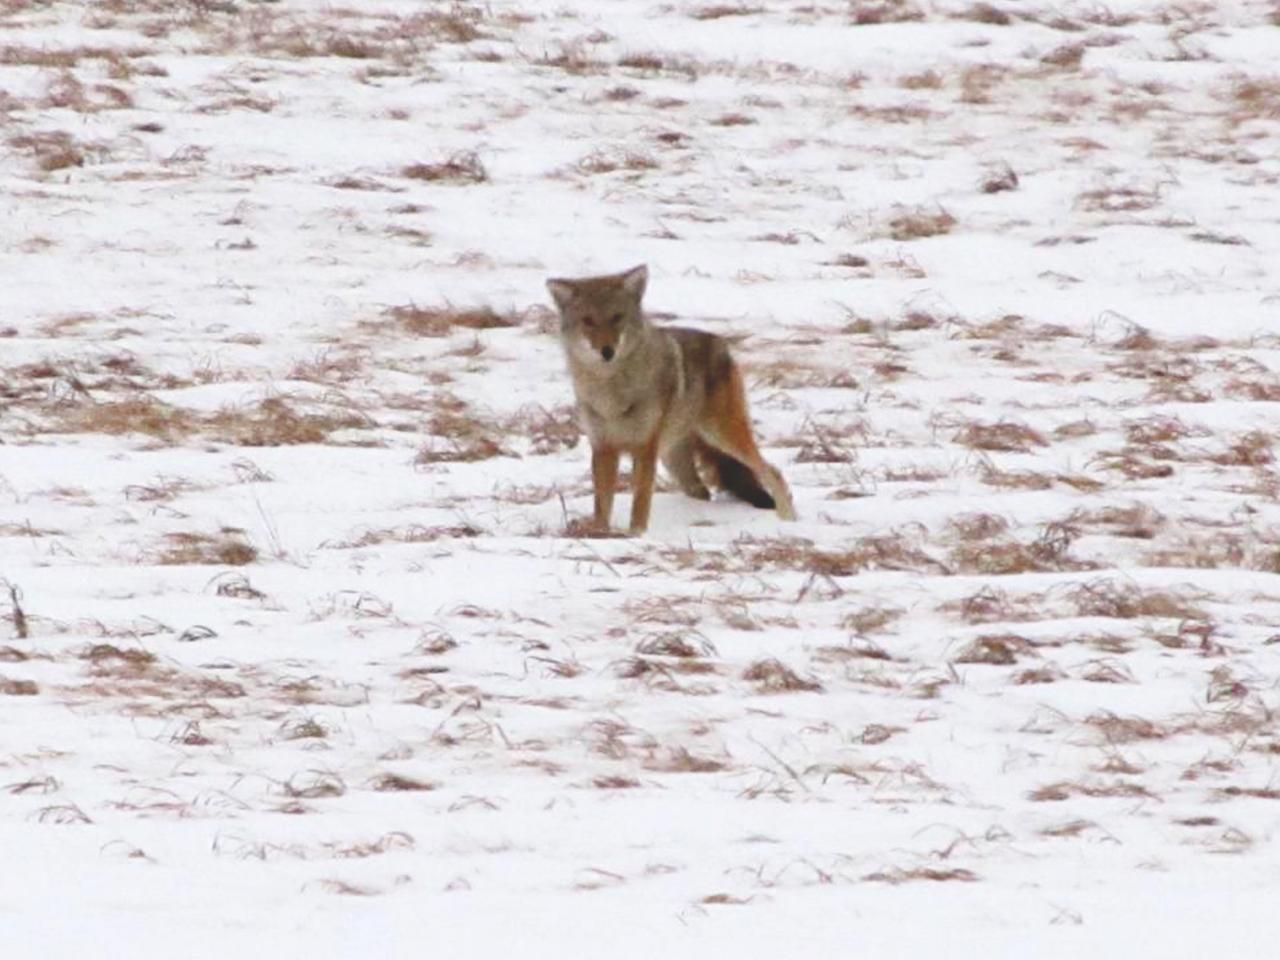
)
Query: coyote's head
[{"x": 600, "y": 316}]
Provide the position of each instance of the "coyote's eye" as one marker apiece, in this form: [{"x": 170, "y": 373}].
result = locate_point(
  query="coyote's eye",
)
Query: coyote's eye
[
  {"x": 616, "y": 319},
  {"x": 588, "y": 321}
]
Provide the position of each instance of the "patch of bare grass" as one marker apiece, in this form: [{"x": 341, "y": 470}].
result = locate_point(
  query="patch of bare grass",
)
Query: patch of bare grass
[
  {"x": 1005, "y": 437},
  {"x": 51, "y": 150},
  {"x": 925, "y": 80},
  {"x": 460, "y": 168},
  {"x": 461, "y": 435},
  {"x": 443, "y": 320},
  {"x": 398, "y": 783},
  {"x": 718, "y": 11},
  {"x": 864, "y": 13},
  {"x": 1000, "y": 180},
  {"x": 986, "y": 13},
  {"x": 1118, "y": 199},
  {"x": 1065, "y": 790},
  {"x": 611, "y": 161},
  {"x": 898, "y": 875},
  {"x": 1001, "y": 649},
  {"x": 1124, "y": 600},
  {"x": 275, "y": 422},
  {"x": 919, "y": 223},
  {"x": 18, "y": 688},
  {"x": 680, "y": 760},
  {"x": 1254, "y": 98},
  {"x": 227, "y": 547},
  {"x": 412, "y": 533},
  {"x": 873, "y": 619},
  {"x": 1068, "y": 56},
  {"x": 773, "y": 676}
]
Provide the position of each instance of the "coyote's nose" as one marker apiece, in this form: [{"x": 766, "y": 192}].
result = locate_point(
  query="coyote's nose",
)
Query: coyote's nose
[{"x": 607, "y": 353}]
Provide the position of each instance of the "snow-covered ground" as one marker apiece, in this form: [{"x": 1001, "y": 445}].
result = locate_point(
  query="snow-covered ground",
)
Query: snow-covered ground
[{"x": 298, "y": 653}]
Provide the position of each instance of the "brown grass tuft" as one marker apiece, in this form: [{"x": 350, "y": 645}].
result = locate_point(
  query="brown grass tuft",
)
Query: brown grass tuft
[
  {"x": 442, "y": 321},
  {"x": 394, "y": 782},
  {"x": 772, "y": 676},
  {"x": 871, "y": 620},
  {"x": 463, "y": 167},
  {"x": 680, "y": 760},
  {"x": 898, "y": 875},
  {"x": 1000, "y": 180},
  {"x": 872, "y": 12},
  {"x": 1000, "y": 649},
  {"x": 1004, "y": 436},
  {"x": 227, "y": 547},
  {"x": 926, "y": 80},
  {"x": 919, "y": 223},
  {"x": 459, "y": 435},
  {"x": 615, "y": 783},
  {"x": 987, "y": 13},
  {"x": 1126, "y": 601},
  {"x": 53, "y": 150},
  {"x": 720, "y": 10},
  {"x": 1064, "y": 790},
  {"x": 609, "y": 161},
  {"x": 1069, "y": 56},
  {"x": 18, "y": 688},
  {"x": 1118, "y": 199},
  {"x": 274, "y": 422}
]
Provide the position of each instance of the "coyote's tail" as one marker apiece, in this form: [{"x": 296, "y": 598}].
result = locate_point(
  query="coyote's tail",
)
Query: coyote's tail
[{"x": 735, "y": 476}]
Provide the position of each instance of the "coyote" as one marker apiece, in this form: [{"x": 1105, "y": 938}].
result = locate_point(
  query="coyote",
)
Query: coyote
[{"x": 658, "y": 391}]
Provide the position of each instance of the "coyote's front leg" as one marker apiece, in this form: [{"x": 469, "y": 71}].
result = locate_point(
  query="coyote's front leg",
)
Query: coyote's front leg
[
  {"x": 644, "y": 464},
  {"x": 604, "y": 478}
]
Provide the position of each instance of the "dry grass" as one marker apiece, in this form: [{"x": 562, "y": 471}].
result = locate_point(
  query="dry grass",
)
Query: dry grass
[
  {"x": 1118, "y": 199},
  {"x": 987, "y": 13},
  {"x": 461, "y": 435},
  {"x": 997, "y": 649},
  {"x": 899, "y": 875},
  {"x": 680, "y": 760},
  {"x": 611, "y": 161},
  {"x": 925, "y": 80},
  {"x": 872, "y": 619},
  {"x": 411, "y": 533},
  {"x": 919, "y": 223},
  {"x": 1124, "y": 600},
  {"x": 275, "y": 422},
  {"x": 1000, "y": 180},
  {"x": 773, "y": 676},
  {"x": 720, "y": 10},
  {"x": 267, "y": 423},
  {"x": 1065, "y": 790},
  {"x": 52, "y": 150},
  {"x": 1254, "y": 98},
  {"x": 871, "y": 12},
  {"x": 227, "y": 547},
  {"x": 1069, "y": 56},
  {"x": 460, "y": 168},
  {"x": 444, "y": 320},
  {"x": 1219, "y": 550},
  {"x": 398, "y": 783},
  {"x": 1002, "y": 437},
  {"x": 896, "y": 550},
  {"x": 18, "y": 688},
  {"x": 1137, "y": 521}
]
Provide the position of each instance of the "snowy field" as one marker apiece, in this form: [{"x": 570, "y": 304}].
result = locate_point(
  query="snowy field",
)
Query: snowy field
[{"x": 299, "y": 653}]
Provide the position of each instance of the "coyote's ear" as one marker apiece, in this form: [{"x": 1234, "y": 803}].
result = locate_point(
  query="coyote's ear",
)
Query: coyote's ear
[
  {"x": 634, "y": 280},
  {"x": 561, "y": 292}
]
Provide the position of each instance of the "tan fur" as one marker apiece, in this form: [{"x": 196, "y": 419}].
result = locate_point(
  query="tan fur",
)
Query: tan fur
[{"x": 658, "y": 392}]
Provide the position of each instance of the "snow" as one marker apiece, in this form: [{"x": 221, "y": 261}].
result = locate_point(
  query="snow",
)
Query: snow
[{"x": 1030, "y": 608}]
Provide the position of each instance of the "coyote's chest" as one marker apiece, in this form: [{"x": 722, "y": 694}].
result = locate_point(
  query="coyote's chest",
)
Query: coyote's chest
[{"x": 618, "y": 416}]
